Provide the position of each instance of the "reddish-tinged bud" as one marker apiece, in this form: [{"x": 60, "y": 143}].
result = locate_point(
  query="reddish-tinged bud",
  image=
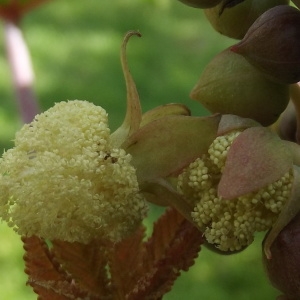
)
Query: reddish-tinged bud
[
  {"x": 234, "y": 18},
  {"x": 201, "y": 3},
  {"x": 283, "y": 268},
  {"x": 231, "y": 85},
  {"x": 272, "y": 44}
]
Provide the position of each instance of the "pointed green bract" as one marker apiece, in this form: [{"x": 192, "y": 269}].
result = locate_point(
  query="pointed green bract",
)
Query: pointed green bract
[
  {"x": 231, "y": 85},
  {"x": 169, "y": 144},
  {"x": 133, "y": 115},
  {"x": 232, "y": 122},
  {"x": 256, "y": 158},
  {"x": 164, "y": 110}
]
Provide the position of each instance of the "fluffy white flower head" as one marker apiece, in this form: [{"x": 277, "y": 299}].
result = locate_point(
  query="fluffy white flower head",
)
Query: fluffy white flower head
[{"x": 64, "y": 180}]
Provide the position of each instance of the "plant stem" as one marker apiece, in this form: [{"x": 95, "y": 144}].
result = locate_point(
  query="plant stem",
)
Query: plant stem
[
  {"x": 22, "y": 71},
  {"x": 295, "y": 150},
  {"x": 295, "y": 97},
  {"x": 297, "y": 3}
]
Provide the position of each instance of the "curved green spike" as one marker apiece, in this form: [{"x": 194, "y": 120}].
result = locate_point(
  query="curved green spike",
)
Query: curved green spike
[{"x": 133, "y": 115}]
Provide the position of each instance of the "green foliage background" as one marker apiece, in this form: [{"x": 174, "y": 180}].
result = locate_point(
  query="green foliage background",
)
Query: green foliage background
[{"x": 75, "y": 50}]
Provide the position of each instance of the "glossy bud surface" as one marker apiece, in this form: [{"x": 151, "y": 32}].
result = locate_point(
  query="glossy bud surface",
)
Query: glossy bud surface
[
  {"x": 230, "y": 85},
  {"x": 235, "y": 20},
  {"x": 201, "y": 3},
  {"x": 272, "y": 44}
]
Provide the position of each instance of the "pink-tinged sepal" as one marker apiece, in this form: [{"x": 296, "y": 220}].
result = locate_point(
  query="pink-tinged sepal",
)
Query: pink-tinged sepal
[
  {"x": 256, "y": 158},
  {"x": 233, "y": 122}
]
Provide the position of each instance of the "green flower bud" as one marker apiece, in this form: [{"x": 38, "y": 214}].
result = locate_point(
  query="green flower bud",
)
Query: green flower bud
[
  {"x": 201, "y": 3},
  {"x": 272, "y": 44},
  {"x": 235, "y": 20},
  {"x": 230, "y": 85}
]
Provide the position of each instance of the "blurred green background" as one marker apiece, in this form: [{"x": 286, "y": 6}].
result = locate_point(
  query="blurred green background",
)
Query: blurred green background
[{"x": 75, "y": 51}]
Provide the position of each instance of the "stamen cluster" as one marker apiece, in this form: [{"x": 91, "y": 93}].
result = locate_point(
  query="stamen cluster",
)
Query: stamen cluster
[
  {"x": 230, "y": 224},
  {"x": 64, "y": 180}
]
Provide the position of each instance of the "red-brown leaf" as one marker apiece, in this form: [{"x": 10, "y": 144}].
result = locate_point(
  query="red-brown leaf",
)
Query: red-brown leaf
[
  {"x": 86, "y": 264},
  {"x": 164, "y": 231},
  {"x": 46, "y": 277},
  {"x": 59, "y": 290},
  {"x": 138, "y": 270},
  {"x": 46, "y": 294},
  {"x": 39, "y": 262},
  {"x": 126, "y": 263},
  {"x": 173, "y": 247}
]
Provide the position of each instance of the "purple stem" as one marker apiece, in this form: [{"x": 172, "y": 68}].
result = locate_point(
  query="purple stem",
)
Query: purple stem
[{"x": 22, "y": 71}]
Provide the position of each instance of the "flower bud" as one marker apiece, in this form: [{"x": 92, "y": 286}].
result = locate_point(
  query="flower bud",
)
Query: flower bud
[
  {"x": 272, "y": 44},
  {"x": 230, "y": 85},
  {"x": 230, "y": 203},
  {"x": 283, "y": 268},
  {"x": 201, "y": 3},
  {"x": 235, "y": 20}
]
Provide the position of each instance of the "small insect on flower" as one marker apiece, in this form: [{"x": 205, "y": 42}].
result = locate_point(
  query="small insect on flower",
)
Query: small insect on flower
[{"x": 31, "y": 154}]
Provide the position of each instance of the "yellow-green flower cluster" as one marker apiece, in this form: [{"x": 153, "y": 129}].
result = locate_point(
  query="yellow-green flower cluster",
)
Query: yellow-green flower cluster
[
  {"x": 64, "y": 180},
  {"x": 229, "y": 224}
]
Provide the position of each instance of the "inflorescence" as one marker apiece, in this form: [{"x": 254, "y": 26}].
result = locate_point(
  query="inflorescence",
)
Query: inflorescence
[
  {"x": 229, "y": 224},
  {"x": 64, "y": 180}
]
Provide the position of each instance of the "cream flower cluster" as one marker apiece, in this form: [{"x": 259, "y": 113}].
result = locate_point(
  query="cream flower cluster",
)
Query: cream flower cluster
[
  {"x": 64, "y": 180},
  {"x": 229, "y": 224}
]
